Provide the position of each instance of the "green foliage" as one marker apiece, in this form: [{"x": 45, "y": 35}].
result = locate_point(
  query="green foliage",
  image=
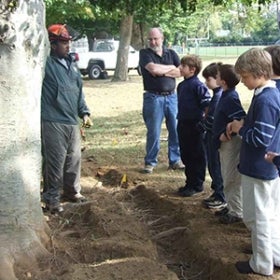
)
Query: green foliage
[
  {"x": 60, "y": 11},
  {"x": 179, "y": 19}
]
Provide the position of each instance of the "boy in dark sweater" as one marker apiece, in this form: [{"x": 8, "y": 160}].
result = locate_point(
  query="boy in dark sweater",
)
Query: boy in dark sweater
[
  {"x": 217, "y": 199},
  {"x": 274, "y": 51},
  {"x": 260, "y": 182},
  {"x": 273, "y": 158},
  {"x": 193, "y": 101},
  {"x": 228, "y": 109}
]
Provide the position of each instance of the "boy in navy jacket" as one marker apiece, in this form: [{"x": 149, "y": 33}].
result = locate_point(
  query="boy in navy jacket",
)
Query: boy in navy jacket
[
  {"x": 217, "y": 198},
  {"x": 193, "y": 101},
  {"x": 260, "y": 182},
  {"x": 228, "y": 109}
]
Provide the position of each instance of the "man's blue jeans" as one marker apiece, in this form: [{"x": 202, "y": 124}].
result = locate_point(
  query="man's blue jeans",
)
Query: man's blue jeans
[{"x": 155, "y": 109}]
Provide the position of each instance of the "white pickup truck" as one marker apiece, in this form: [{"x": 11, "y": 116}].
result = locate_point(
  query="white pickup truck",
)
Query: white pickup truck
[{"x": 103, "y": 57}]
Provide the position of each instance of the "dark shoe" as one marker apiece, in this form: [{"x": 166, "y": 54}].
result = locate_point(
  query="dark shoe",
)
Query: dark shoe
[
  {"x": 177, "y": 166},
  {"x": 245, "y": 268},
  {"x": 210, "y": 198},
  {"x": 77, "y": 198},
  {"x": 182, "y": 189},
  {"x": 216, "y": 204},
  {"x": 54, "y": 208},
  {"x": 221, "y": 212},
  {"x": 229, "y": 219},
  {"x": 188, "y": 192}
]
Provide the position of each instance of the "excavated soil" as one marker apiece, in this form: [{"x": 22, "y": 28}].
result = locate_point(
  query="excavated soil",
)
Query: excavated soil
[{"x": 139, "y": 229}]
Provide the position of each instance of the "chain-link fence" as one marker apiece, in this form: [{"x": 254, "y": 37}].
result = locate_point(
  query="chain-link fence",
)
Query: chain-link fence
[{"x": 215, "y": 51}]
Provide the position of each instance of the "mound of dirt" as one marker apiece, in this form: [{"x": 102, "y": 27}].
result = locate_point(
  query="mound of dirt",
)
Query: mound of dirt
[{"x": 143, "y": 232}]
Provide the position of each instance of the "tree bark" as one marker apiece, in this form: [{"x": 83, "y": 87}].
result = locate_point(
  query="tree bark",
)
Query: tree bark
[
  {"x": 121, "y": 71},
  {"x": 23, "y": 48}
]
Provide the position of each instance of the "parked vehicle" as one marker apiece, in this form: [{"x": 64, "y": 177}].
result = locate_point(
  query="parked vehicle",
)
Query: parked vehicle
[{"x": 102, "y": 58}]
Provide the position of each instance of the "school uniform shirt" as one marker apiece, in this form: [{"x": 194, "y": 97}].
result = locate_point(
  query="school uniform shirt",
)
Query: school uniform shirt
[
  {"x": 193, "y": 98},
  {"x": 209, "y": 120},
  {"x": 228, "y": 109},
  {"x": 277, "y": 83},
  {"x": 261, "y": 133}
]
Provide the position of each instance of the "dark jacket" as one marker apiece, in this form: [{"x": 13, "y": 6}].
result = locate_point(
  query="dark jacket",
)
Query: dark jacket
[{"x": 62, "y": 97}]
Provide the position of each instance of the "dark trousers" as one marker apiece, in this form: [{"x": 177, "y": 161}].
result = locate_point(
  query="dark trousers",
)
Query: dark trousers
[
  {"x": 214, "y": 167},
  {"x": 193, "y": 153},
  {"x": 61, "y": 149}
]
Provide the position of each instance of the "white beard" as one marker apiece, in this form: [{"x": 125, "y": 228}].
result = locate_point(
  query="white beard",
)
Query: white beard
[{"x": 156, "y": 49}]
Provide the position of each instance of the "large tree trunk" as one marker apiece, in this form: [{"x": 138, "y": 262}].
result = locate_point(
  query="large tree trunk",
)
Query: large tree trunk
[
  {"x": 23, "y": 48},
  {"x": 121, "y": 71}
]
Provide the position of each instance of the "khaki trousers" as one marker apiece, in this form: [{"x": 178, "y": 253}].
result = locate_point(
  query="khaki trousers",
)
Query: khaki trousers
[
  {"x": 229, "y": 157},
  {"x": 261, "y": 215}
]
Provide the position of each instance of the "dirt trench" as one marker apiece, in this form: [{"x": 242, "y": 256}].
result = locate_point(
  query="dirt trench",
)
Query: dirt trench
[{"x": 140, "y": 232}]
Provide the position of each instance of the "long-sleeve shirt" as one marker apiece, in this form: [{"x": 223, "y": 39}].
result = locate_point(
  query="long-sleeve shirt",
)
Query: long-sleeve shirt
[
  {"x": 261, "y": 133},
  {"x": 62, "y": 97},
  {"x": 209, "y": 120},
  {"x": 193, "y": 98},
  {"x": 228, "y": 109}
]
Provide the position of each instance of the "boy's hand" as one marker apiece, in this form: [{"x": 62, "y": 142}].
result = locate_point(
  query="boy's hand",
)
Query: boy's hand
[
  {"x": 236, "y": 125},
  {"x": 229, "y": 130},
  {"x": 269, "y": 156},
  {"x": 224, "y": 138}
]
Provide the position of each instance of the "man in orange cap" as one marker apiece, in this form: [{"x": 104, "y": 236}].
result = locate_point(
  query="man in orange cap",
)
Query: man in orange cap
[{"x": 62, "y": 104}]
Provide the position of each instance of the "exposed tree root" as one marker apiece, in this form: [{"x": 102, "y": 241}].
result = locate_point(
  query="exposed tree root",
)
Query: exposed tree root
[{"x": 168, "y": 232}]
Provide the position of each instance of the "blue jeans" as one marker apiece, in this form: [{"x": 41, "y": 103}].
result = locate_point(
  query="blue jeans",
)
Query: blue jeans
[{"x": 155, "y": 109}]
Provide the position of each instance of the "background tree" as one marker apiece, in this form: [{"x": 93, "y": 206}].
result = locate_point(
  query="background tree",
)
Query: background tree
[
  {"x": 127, "y": 20},
  {"x": 22, "y": 55}
]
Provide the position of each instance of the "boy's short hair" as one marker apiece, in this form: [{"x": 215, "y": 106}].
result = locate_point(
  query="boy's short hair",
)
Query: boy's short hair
[
  {"x": 274, "y": 51},
  {"x": 211, "y": 70},
  {"x": 255, "y": 61},
  {"x": 192, "y": 60},
  {"x": 228, "y": 74}
]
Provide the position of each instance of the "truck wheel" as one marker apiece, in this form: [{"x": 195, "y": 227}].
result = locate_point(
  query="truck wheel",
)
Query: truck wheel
[{"x": 94, "y": 72}]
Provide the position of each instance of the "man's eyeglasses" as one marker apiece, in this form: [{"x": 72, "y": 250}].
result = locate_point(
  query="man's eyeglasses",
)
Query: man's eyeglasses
[{"x": 154, "y": 39}]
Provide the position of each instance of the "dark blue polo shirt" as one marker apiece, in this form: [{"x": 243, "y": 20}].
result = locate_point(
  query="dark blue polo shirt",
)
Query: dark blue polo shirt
[{"x": 158, "y": 84}]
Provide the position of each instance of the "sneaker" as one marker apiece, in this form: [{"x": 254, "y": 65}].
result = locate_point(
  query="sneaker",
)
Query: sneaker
[
  {"x": 216, "y": 204},
  {"x": 210, "y": 198},
  {"x": 148, "y": 169},
  {"x": 54, "y": 208},
  {"x": 229, "y": 219},
  {"x": 77, "y": 198},
  {"x": 177, "y": 166},
  {"x": 188, "y": 192},
  {"x": 222, "y": 212}
]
